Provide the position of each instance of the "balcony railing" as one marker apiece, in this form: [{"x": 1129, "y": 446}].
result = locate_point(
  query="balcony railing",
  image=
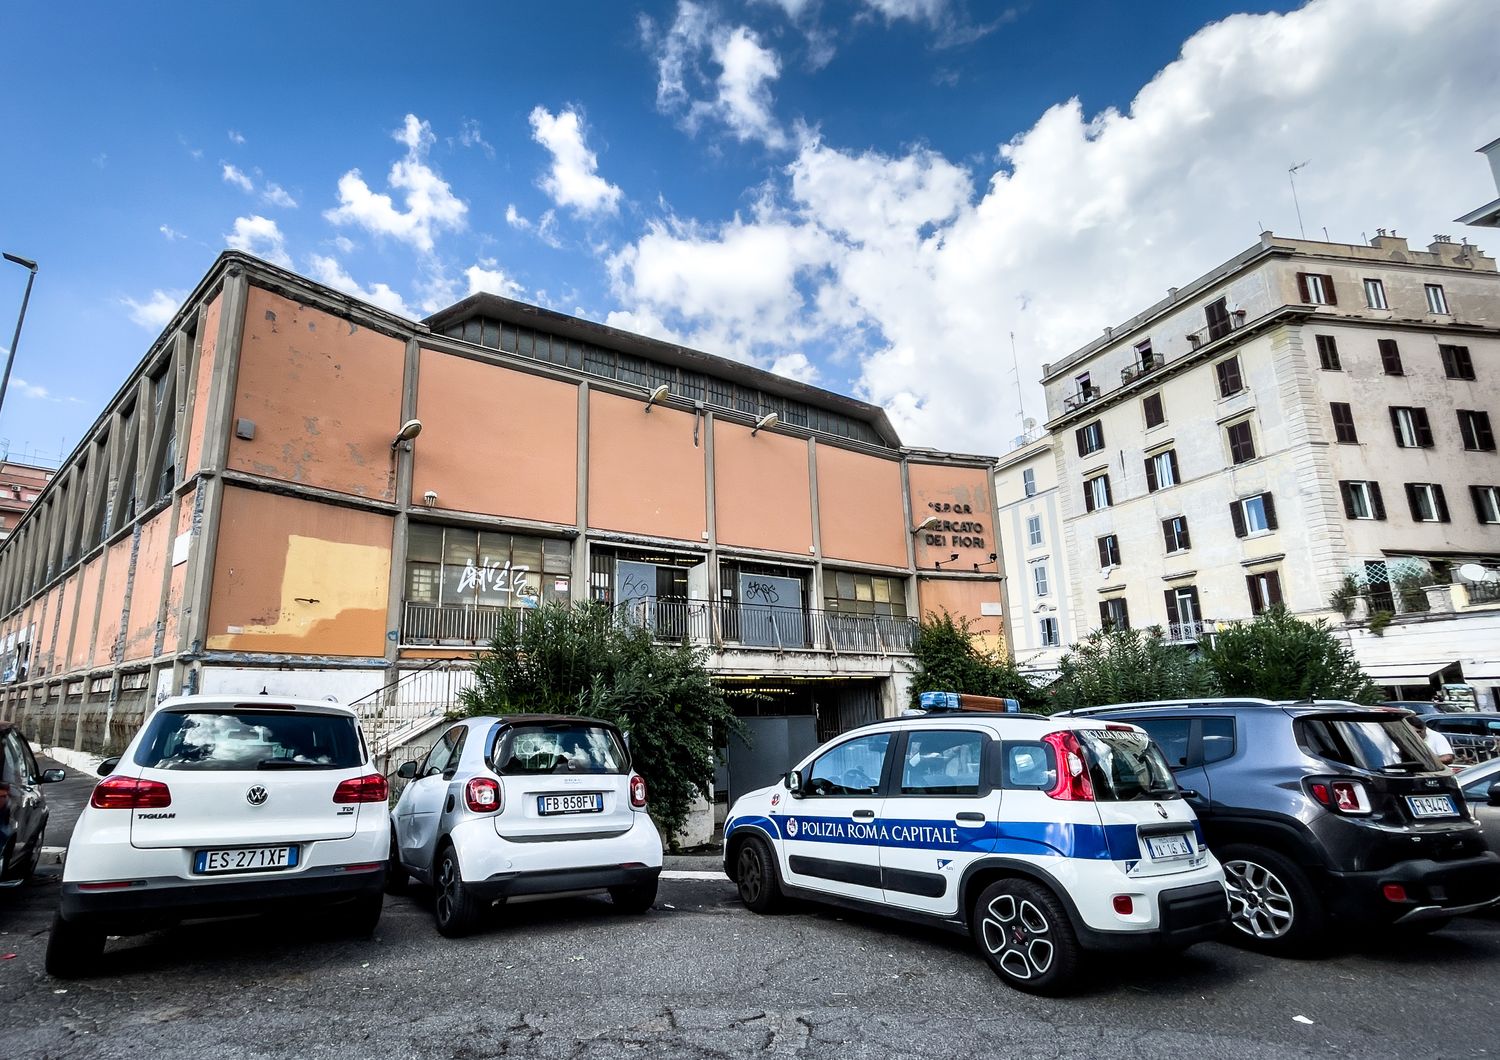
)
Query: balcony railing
[
  {"x": 773, "y": 628},
  {"x": 1185, "y": 632},
  {"x": 454, "y": 626},
  {"x": 1081, "y": 397},
  {"x": 1132, "y": 372}
]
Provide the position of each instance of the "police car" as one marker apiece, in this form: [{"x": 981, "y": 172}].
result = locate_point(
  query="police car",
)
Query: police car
[{"x": 1045, "y": 839}]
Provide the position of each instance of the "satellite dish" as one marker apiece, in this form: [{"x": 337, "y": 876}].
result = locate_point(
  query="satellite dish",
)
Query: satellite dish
[
  {"x": 1029, "y": 423},
  {"x": 1472, "y": 572}
]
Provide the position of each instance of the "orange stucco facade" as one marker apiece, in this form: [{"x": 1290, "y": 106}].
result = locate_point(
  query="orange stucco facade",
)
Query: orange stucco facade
[
  {"x": 645, "y": 474},
  {"x": 208, "y": 342},
  {"x": 966, "y": 599},
  {"x": 762, "y": 498},
  {"x": 861, "y": 516},
  {"x": 958, "y": 498}
]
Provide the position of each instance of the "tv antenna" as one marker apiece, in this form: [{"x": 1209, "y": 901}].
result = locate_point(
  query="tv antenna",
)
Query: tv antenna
[
  {"x": 1291, "y": 176},
  {"x": 1015, "y": 368}
]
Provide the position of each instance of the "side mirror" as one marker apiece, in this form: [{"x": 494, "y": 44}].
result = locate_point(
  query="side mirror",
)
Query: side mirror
[
  {"x": 1493, "y": 796},
  {"x": 53, "y": 776},
  {"x": 794, "y": 782},
  {"x": 1191, "y": 794},
  {"x": 109, "y": 765},
  {"x": 407, "y": 770}
]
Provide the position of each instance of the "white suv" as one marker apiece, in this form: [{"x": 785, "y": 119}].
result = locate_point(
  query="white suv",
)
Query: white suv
[
  {"x": 521, "y": 807},
  {"x": 222, "y": 806},
  {"x": 1041, "y": 837}
]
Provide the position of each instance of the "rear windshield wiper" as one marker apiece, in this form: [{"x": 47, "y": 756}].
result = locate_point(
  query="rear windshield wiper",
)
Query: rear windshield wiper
[{"x": 290, "y": 763}]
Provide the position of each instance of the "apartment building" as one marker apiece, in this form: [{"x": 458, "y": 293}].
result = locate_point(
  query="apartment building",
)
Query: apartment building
[
  {"x": 1303, "y": 412},
  {"x": 1039, "y": 621}
]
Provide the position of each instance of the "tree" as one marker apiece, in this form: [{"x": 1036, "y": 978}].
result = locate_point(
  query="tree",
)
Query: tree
[
  {"x": 1127, "y": 665},
  {"x": 583, "y": 660},
  {"x": 946, "y": 660},
  {"x": 1280, "y": 656}
]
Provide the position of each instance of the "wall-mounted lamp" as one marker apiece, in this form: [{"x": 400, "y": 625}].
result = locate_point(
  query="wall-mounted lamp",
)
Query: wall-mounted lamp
[
  {"x": 930, "y": 521},
  {"x": 659, "y": 394},
  {"x": 950, "y": 559},
  {"x": 986, "y": 563},
  {"x": 430, "y": 498},
  {"x": 769, "y": 420},
  {"x": 409, "y": 430}
]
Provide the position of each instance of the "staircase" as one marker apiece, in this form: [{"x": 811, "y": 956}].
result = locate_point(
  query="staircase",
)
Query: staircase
[{"x": 406, "y": 711}]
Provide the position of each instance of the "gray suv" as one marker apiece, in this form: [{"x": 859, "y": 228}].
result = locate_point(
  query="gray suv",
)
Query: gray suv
[{"x": 1320, "y": 812}]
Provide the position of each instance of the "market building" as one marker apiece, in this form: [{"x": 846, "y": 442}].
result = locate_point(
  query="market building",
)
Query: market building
[{"x": 299, "y": 492}]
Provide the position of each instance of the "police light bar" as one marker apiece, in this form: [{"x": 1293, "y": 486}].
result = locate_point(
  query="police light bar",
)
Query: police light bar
[{"x": 952, "y": 702}]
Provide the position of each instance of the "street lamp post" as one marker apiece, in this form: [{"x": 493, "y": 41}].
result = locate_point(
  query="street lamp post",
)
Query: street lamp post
[{"x": 10, "y": 356}]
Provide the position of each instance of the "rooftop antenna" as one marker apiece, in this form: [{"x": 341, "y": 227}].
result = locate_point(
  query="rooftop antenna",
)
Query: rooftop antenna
[
  {"x": 1291, "y": 176},
  {"x": 1015, "y": 367}
]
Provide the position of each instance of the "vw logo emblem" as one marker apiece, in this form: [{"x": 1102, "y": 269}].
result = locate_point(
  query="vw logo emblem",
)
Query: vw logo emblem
[
  {"x": 257, "y": 796},
  {"x": 1161, "y": 810},
  {"x": 791, "y": 826}
]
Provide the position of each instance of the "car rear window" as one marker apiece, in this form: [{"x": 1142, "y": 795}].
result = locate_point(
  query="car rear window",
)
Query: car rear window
[
  {"x": 1125, "y": 765},
  {"x": 242, "y": 739},
  {"x": 1374, "y": 744},
  {"x": 559, "y": 747}
]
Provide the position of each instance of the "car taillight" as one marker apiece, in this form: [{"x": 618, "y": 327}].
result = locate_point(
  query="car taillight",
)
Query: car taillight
[
  {"x": 637, "y": 790},
  {"x": 128, "y": 793},
  {"x": 482, "y": 795},
  {"x": 1072, "y": 773},
  {"x": 1124, "y": 904},
  {"x": 1341, "y": 796},
  {"x": 371, "y": 788}
]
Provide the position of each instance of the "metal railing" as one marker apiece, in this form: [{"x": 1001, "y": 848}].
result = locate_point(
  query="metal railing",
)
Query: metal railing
[
  {"x": 1483, "y": 592},
  {"x": 1472, "y": 750},
  {"x": 772, "y": 628},
  {"x": 1081, "y": 397},
  {"x": 1185, "y": 632},
  {"x": 1132, "y": 372},
  {"x": 458, "y": 626}
]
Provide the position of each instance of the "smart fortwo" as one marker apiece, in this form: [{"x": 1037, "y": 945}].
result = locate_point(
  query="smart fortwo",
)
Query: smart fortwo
[{"x": 1044, "y": 838}]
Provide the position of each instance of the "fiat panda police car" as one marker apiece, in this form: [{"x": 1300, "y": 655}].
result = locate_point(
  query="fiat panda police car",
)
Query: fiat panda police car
[{"x": 1043, "y": 838}]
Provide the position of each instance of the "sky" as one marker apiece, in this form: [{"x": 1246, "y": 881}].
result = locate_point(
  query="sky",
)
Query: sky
[{"x": 916, "y": 202}]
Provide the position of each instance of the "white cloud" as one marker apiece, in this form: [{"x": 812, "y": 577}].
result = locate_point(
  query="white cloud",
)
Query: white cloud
[
  {"x": 573, "y": 179},
  {"x": 430, "y": 203},
  {"x": 234, "y": 175},
  {"x": 796, "y": 366},
  {"x": 236, "y": 137},
  {"x": 470, "y": 134},
  {"x": 276, "y": 195},
  {"x": 739, "y": 95},
  {"x": 259, "y": 236},
  {"x": 544, "y": 228},
  {"x": 31, "y": 390},
  {"x": 327, "y": 270},
  {"x": 909, "y": 271},
  {"x": 344, "y": 245},
  {"x": 744, "y": 92},
  {"x": 484, "y": 276},
  {"x": 171, "y": 234},
  {"x": 156, "y": 311},
  {"x": 911, "y": 10}
]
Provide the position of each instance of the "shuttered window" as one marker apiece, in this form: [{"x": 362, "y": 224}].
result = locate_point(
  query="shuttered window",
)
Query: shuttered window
[
  {"x": 1343, "y": 422},
  {"x": 1362, "y": 500},
  {"x": 1161, "y": 471},
  {"x": 1109, "y": 551},
  {"x": 1411, "y": 427},
  {"x": 1096, "y": 493},
  {"x": 1230, "y": 381},
  {"x": 1174, "y": 532},
  {"x": 1265, "y": 591},
  {"x": 1253, "y": 515},
  {"x": 1457, "y": 364},
  {"x": 1328, "y": 354},
  {"x": 1114, "y": 614},
  {"x": 1316, "y": 288},
  {"x": 1474, "y": 426},
  {"x": 1241, "y": 442},
  {"x": 1152, "y": 407},
  {"x": 1090, "y": 438},
  {"x": 1427, "y": 502},
  {"x": 1486, "y": 503},
  {"x": 1390, "y": 357}
]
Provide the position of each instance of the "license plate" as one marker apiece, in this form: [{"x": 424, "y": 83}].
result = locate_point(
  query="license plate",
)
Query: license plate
[
  {"x": 248, "y": 859},
  {"x": 592, "y": 802},
  {"x": 1431, "y": 806},
  {"x": 1169, "y": 846}
]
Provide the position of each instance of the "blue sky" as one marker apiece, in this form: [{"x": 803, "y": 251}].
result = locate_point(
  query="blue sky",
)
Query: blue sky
[{"x": 872, "y": 195}]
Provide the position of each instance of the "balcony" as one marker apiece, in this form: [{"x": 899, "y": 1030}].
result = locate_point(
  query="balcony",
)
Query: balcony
[
  {"x": 1145, "y": 365},
  {"x": 453, "y": 626},
  {"x": 1082, "y": 397},
  {"x": 1186, "y": 632},
  {"x": 778, "y": 629}
]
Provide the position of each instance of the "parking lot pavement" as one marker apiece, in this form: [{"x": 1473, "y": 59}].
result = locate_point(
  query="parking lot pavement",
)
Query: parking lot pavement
[{"x": 700, "y": 976}]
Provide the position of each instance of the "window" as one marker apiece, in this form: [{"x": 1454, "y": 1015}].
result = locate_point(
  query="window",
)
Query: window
[
  {"x": 1437, "y": 301},
  {"x": 1375, "y": 294},
  {"x": 1343, "y": 422},
  {"x": 1114, "y": 614},
  {"x": 1390, "y": 357},
  {"x": 1457, "y": 364},
  {"x": 559, "y": 747},
  {"x": 1328, "y": 353},
  {"x": 1174, "y": 532},
  {"x": 851, "y": 593},
  {"x": 942, "y": 762},
  {"x": 243, "y": 738},
  {"x": 1230, "y": 381},
  {"x": 1030, "y": 765},
  {"x": 1217, "y": 313},
  {"x": 1411, "y": 427},
  {"x": 1090, "y": 438},
  {"x": 1182, "y": 611},
  {"x": 1265, "y": 591},
  {"x": 1426, "y": 502},
  {"x": 1171, "y": 735},
  {"x": 1218, "y": 739},
  {"x": 1362, "y": 500},
  {"x": 452, "y": 567},
  {"x": 1034, "y": 529},
  {"x": 1486, "y": 503},
  {"x": 1253, "y": 515},
  {"x": 1241, "y": 442},
  {"x": 1096, "y": 493},
  {"x": 1143, "y": 355},
  {"x": 1161, "y": 471},
  {"x": 1155, "y": 414},
  {"x": 1049, "y": 635},
  {"x": 1475, "y": 428},
  {"x": 1028, "y": 482},
  {"x": 1039, "y": 578},
  {"x": 1316, "y": 289},
  {"x": 1109, "y": 551},
  {"x": 1086, "y": 391},
  {"x": 851, "y": 768}
]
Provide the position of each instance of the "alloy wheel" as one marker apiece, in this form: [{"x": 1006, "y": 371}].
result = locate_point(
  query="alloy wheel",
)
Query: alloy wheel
[
  {"x": 749, "y": 874},
  {"x": 446, "y": 889},
  {"x": 1018, "y": 937},
  {"x": 1259, "y": 903}
]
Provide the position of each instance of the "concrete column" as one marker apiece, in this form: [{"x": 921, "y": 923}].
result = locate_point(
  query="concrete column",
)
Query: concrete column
[
  {"x": 404, "y": 458},
  {"x": 582, "y": 589},
  {"x": 711, "y": 524},
  {"x": 1439, "y": 599},
  {"x": 817, "y": 528}
]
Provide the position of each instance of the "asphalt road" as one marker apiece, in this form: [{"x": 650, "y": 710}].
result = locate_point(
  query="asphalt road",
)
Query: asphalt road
[{"x": 699, "y": 976}]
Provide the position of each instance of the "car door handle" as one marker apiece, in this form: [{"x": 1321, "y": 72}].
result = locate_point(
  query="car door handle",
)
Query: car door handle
[
  {"x": 969, "y": 818},
  {"x": 863, "y": 815}
]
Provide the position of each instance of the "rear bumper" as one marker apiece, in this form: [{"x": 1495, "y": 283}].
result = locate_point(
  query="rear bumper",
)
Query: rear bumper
[
  {"x": 1187, "y": 915},
  {"x": 147, "y": 904},
  {"x": 563, "y": 881},
  {"x": 1434, "y": 890}
]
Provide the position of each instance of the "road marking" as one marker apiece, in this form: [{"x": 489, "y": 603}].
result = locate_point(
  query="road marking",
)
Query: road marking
[{"x": 693, "y": 874}]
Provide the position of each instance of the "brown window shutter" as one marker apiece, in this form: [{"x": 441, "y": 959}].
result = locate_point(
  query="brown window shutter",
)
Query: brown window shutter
[
  {"x": 1088, "y": 496},
  {"x": 1186, "y": 540},
  {"x": 1302, "y": 288},
  {"x": 1250, "y": 580},
  {"x": 1082, "y": 449},
  {"x": 1411, "y": 502},
  {"x": 1237, "y": 517},
  {"x": 1103, "y": 551},
  {"x": 1150, "y": 475},
  {"x": 1376, "y": 501},
  {"x": 1476, "y": 497},
  {"x": 1171, "y": 607},
  {"x": 1390, "y": 357},
  {"x": 1273, "y": 582},
  {"x": 1270, "y": 503},
  {"x": 1442, "y": 503},
  {"x": 1396, "y": 424},
  {"x": 1104, "y": 622},
  {"x": 1328, "y": 289},
  {"x": 1108, "y": 496},
  {"x": 1176, "y": 471},
  {"x": 1424, "y": 429},
  {"x": 1484, "y": 437},
  {"x": 1346, "y": 490},
  {"x": 1166, "y": 535}
]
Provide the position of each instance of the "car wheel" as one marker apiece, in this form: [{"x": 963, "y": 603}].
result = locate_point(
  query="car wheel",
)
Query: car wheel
[
  {"x": 1271, "y": 902},
  {"x": 1025, "y": 934},
  {"x": 456, "y": 909},
  {"x": 397, "y": 879},
  {"x": 637, "y": 898},
  {"x": 73, "y": 951},
  {"x": 755, "y": 876},
  {"x": 359, "y": 916},
  {"x": 28, "y": 870}
]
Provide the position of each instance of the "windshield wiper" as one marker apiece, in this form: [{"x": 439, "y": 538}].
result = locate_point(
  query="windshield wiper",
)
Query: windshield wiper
[{"x": 288, "y": 763}]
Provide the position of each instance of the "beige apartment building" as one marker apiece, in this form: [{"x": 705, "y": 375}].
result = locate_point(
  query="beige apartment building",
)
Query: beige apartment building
[
  {"x": 1040, "y": 623},
  {"x": 1303, "y": 412}
]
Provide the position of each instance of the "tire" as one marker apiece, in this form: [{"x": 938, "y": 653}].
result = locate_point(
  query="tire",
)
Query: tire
[
  {"x": 1272, "y": 905},
  {"x": 397, "y": 879},
  {"x": 755, "y": 876},
  {"x": 638, "y": 898},
  {"x": 359, "y": 916},
  {"x": 1025, "y": 934},
  {"x": 455, "y": 908},
  {"x": 28, "y": 870},
  {"x": 73, "y": 951}
]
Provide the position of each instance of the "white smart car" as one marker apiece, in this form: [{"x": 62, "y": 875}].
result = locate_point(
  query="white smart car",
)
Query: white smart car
[
  {"x": 222, "y": 806},
  {"x": 1043, "y": 838},
  {"x": 521, "y": 807}
]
